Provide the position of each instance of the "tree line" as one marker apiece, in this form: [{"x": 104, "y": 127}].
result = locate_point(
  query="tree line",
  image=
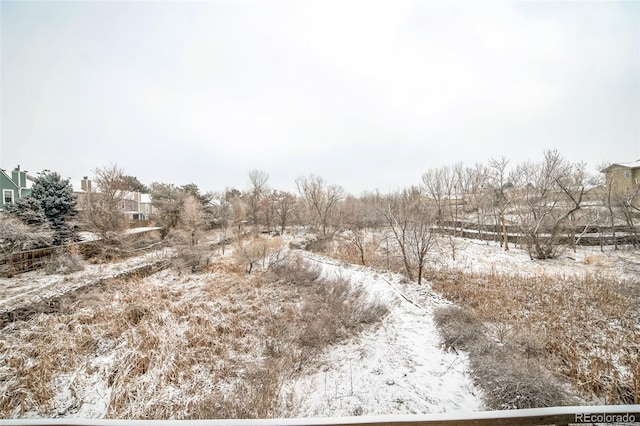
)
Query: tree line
[{"x": 542, "y": 201}]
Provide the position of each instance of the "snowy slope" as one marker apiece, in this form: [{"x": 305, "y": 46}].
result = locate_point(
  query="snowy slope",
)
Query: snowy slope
[
  {"x": 487, "y": 256},
  {"x": 397, "y": 368}
]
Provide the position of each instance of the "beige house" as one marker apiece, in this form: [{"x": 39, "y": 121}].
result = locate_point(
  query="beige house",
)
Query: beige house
[
  {"x": 624, "y": 179},
  {"x": 134, "y": 205}
]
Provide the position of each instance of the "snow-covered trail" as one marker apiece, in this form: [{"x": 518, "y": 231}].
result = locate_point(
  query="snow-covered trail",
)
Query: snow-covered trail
[{"x": 396, "y": 368}]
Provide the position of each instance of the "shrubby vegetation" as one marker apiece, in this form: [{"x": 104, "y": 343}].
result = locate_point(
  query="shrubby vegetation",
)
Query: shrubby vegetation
[
  {"x": 545, "y": 207},
  {"x": 216, "y": 345}
]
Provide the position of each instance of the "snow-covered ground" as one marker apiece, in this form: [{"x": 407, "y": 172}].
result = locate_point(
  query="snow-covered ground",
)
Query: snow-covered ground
[
  {"x": 34, "y": 286},
  {"x": 487, "y": 256},
  {"x": 397, "y": 368}
]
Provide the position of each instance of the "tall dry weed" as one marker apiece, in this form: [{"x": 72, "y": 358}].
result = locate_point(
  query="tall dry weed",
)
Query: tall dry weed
[
  {"x": 213, "y": 345},
  {"x": 586, "y": 328}
]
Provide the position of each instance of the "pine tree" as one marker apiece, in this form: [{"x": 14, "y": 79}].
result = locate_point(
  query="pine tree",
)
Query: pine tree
[
  {"x": 55, "y": 196},
  {"x": 28, "y": 210}
]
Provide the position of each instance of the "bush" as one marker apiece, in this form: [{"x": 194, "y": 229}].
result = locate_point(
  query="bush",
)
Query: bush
[
  {"x": 333, "y": 308},
  {"x": 297, "y": 272},
  {"x": 459, "y": 328},
  {"x": 192, "y": 260},
  {"x": 318, "y": 246},
  {"x": 64, "y": 263},
  {"x": 259, "y": 252},
  {"x": 513, "y": 383},
  {"x": 509, "y": 380}
]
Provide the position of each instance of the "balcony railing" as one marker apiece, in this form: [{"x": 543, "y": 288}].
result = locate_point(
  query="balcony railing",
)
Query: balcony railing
[{"x": 610, "y": 414}]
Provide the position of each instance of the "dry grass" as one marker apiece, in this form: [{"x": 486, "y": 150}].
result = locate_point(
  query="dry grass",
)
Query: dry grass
[
  {"x": 509, "y": 379},
  {"x": 64, "y": 263},
  {"x": 216, "y": 345},
  {"x": 584, "y": 328}
]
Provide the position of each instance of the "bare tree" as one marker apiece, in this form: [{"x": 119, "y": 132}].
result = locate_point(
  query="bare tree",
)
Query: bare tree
[
  {"x": 257, "y": 190},
  {"x": 476, "y": 186},
  {"x": 103, "y": 205},
  {"x": 223, "y": 216},
  {"x": 321, "y": 200},
  {"x": 284, "y": 206},
  {"x": 439, "y": 186},
  {"x": 548, "y": 193},
  {"x": 411, "y": 221},
  {"x": 626, "y": 208},
  {"x": 498, "y": 181},
  {"x": 257, "y": 252},
  {"x": 357, "y": 222},
  {"x": 238, "y": 209},
  {"x": 168, "y": 199},
  {"x": 192, "y": 219}
]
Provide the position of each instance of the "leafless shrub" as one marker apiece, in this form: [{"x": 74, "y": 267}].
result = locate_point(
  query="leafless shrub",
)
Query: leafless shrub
[
  {"x": 259, "y": 252},
  {"x": 369, "y": 312},
  {"x": 192, "y": 260},
  {"x": 115, "y": 249},
  {"x": 513, "y": 383},
  {"x": 145, "y": 240},
  {"x": 336, "y": 310},
  {"x": 318, "y": 246},
  {"x": 64, "y": 263},
  {"x": 459, "y": 328}
]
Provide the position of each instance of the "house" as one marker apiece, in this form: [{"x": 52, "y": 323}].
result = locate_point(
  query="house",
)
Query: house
[
  {"x": 14, "y": 187},
  {"x": 135, "y": 205},
  {"x": 623, "y": 178}
]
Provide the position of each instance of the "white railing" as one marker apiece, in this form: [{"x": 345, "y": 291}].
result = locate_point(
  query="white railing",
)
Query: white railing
[{"x": 610, "y": 414}]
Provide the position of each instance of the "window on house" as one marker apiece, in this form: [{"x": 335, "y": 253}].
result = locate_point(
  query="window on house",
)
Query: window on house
[
  {"x": 7, "y": 195},
  {"x": 627, "y": 174}
]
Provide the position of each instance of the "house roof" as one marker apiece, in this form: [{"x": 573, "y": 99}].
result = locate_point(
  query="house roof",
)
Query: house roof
[
  {"x": 629, "y": 165},
  {"x": 3, "y": 172}
]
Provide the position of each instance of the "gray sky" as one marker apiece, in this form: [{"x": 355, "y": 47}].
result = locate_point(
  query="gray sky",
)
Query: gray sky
[{"x": 367, "y": 94}]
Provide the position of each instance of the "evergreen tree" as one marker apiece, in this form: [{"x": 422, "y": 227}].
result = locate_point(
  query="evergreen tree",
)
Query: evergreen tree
[
  {"x": 131, "y": 183},
  {"x": 28, "y": 210},
  {"x": 55, "y": 196}
]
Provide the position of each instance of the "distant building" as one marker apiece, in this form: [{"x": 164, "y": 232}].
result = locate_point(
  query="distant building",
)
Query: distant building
[
  {"x": 14, "y": 187},
  {"x": 135, "y": 205},
  {"x": 623, "y": 179}
]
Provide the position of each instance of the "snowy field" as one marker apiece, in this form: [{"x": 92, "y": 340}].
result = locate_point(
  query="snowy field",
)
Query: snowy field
[
  {"x": 395, "y": 367},
  {"x": 35, "y": 286},
  {"x": 488, "y": 256}
]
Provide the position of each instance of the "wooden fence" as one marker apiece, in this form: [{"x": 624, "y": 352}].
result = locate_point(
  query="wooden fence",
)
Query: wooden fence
[
  {"x": 534, "y": 416},
  {"x": 31, "y": 260},
  {"x": 589, "y": 236}
]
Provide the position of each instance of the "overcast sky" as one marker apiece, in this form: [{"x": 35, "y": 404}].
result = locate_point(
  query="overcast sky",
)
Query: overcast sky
[{"x": 367, "y": 94}]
